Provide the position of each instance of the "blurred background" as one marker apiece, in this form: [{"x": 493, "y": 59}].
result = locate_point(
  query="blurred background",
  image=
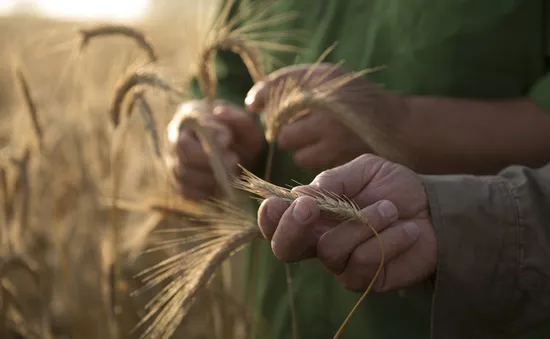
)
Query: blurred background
[{"x": 61, "y": 224}]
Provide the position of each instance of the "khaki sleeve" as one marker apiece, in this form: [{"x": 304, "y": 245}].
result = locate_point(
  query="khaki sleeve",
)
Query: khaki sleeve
[{"x": 493, "y": 233}]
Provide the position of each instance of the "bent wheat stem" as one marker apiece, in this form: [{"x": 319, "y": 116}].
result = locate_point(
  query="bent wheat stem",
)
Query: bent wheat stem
[
  {"x": 89, "y": 34},
  {"x": 136, "y": 78},
  {"x": 148, "y": 118}
]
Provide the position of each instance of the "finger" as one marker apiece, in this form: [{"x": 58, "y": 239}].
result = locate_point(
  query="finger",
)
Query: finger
[
  {"x": 365, "y": 260},
  {"x": 269, "y": 214},
  {"x": 348, "y": 179},
  {"x": 256, "y": 98},
  {"x": 317, "y": 155},
  {"x": 246, "y": 132},
  {"x": 294, "y": 238},
  {"x": 336, "y": 246},
  {"x": 195, "y": 184},
  {"x": 301, "y": 133},
  {"x": 190, "y": 153},
  {"x": 221, "y": 133},
  {"x": 234, "y": 118},
  {"x": 192, "y": 177}
]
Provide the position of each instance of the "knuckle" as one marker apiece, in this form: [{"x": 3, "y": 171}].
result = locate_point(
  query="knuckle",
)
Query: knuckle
[
  {"x": 351, "y": 284},
  {"x": 305, "y": 160},
  {"x": 284, "y": 140},
  {"x": 360, "y": 259},
  {"x": 327, "y": 253},
  {"x": 279, "y": 253}
]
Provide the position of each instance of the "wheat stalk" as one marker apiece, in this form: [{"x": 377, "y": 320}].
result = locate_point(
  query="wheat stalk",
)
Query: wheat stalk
[
  {"x": 31, "y": 107},
  {"x": 88, "y": 34},
  {"x": 243, "y": 35},
  {"x": 148, "y": 118},
  {"x": 137, "y": 78}
]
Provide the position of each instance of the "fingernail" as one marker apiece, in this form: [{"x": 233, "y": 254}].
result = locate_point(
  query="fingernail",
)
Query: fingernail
[
  {"x": 412, "y": 230},
  {"x": 251, "y": 95},
  {"x": 218, "y": 110},
  {"x": 301, "y": 211},
  {"x": 250, "y": 98},
  {"x": 387, "y": 209}
]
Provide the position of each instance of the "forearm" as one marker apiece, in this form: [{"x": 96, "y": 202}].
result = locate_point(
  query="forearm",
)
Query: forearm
[
  {"x": 448, "y": 135},
  {"x": 493, "y": 233}
]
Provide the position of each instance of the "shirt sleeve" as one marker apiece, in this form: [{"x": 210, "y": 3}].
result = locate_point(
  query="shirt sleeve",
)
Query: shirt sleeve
[{"x": 493, "y": 233}]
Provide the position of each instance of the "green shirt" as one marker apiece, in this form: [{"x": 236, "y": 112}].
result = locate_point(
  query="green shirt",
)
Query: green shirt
[{"x": 452, "y": 48}]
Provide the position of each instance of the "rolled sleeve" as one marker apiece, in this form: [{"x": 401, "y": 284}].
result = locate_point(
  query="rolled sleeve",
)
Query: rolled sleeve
[{"x": 493, "y": 275}]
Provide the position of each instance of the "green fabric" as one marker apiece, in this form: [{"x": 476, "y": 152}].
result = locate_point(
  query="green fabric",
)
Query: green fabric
[{"x": 458, "y": 48}]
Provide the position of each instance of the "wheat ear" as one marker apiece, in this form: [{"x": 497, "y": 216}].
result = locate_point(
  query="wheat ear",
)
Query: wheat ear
[
  {"x": 31, "y": 107},
  {"x": 137, "y": 78},
  {"x": 329, "y": 204},
  {"x": 227, "y": 230},
  {"x": 248, "y": 35},
  {"x": 148, "y": 118},
  {"x": 88, "y": 34}
]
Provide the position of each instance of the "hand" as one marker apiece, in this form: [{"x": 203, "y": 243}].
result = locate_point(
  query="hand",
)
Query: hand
[
  {"x": 319, "y": 139},
  {"x": 238, "y": 135},
  {"x": 394, "y": 200}
]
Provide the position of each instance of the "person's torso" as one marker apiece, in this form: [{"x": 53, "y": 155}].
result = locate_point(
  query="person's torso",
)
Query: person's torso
[{"x": 458, "y": 48}]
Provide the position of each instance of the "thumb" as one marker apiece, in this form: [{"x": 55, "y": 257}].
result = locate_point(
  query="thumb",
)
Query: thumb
[
  {"x": 255, "y": 99},
  {"x": 257, "y": 96},
  {"x": 234, "y": 118}
]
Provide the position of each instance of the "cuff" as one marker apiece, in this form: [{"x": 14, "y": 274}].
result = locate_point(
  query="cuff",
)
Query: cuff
[{"x": 476, "y": 225}]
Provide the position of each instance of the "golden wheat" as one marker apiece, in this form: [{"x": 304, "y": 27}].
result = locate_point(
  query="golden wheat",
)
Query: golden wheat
[
  {"x": 251, "y": 34},
  {"x": 139, "y": 77},
  {"x": 228, "y": 229},
  {"x": 88, "y": 34},
  {"x": 31, "y": 107},
  {"x": 148, "y": 118}
]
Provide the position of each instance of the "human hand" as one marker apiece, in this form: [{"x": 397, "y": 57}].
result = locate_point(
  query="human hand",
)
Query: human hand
[
  {"x": 319, "y": 139},
  {"x": 394, "y": 200},
  {"x": 238, "y": 135}
]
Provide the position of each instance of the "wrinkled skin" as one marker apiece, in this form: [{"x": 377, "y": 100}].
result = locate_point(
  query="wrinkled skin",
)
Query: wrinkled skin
[
  {"x": 317, "y": 140},
  {"x": 394, "y": 200}
]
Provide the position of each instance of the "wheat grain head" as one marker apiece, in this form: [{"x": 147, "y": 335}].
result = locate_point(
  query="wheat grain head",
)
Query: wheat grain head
[
  {"x": 140, "y": 77},
  {"x": 227, "y": 230},
  {"x": 252, "y": 34}
]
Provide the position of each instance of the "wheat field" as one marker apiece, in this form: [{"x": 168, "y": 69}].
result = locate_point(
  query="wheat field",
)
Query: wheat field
[{"x": 59, "y": 233}]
